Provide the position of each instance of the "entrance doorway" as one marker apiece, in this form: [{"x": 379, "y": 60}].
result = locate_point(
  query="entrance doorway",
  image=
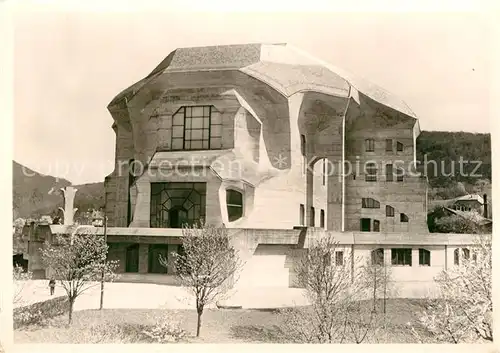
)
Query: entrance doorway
[
  {"x": 177, "y": 217},
  {"x": 132, "y": 258},
  {"x": 365, "y": 224}
]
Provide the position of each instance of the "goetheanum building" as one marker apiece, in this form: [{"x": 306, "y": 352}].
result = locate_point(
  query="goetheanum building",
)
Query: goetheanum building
[
  {"x": 262, "y": 136},
  {"x": 278, "y": 147}
]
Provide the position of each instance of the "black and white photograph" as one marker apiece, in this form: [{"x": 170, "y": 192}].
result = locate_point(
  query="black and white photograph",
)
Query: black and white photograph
[{"x": 212, "y": 177}]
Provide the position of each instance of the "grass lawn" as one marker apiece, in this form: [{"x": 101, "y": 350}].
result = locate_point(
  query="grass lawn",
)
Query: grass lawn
[{"x": 218, "y": 326}]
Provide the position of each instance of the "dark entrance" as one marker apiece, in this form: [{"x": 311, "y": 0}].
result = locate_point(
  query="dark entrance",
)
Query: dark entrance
[
  {"x": 155, "y": 251},
  {"x": 19, "y": 260},
  {"x": 177, "y": 217},
  {"x": 132, "y": 258},
  {"x": 365, "y": 224}
]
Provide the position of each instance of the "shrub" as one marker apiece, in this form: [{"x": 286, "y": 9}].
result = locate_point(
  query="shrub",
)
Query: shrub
[
  {"x": 165, "y": 331},
  {"x": 38, "y": 312}
]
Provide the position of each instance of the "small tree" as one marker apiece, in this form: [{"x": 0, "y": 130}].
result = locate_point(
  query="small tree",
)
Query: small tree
[
  {"x": 206, "y": 265},
  {"x": 375, "y": 277},
  {"x": 337, "y": 312},
  {"x": 464, "y": 307},
  {"x": 20, "y": 277},
  {"x": 466, "y": 224},
  {"x": 78, "y": 262}
]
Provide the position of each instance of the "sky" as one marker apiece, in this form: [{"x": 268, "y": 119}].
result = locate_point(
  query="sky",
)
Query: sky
[{"x": 69, "y": 65}]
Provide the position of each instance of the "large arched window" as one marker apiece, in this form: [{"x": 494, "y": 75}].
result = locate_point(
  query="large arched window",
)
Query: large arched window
[{"x": 234, "y": 201}]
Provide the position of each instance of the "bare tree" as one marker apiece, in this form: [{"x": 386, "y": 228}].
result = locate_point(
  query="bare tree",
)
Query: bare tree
[
  {"x": 20, "y": 277},
  {"x": 338, "y": 312},
  {"x": 78, "y": 262},
  {"x": 375, "y": 277},
  {"x": 206, "y": 265},
  {"x": 463, "y": 310}
]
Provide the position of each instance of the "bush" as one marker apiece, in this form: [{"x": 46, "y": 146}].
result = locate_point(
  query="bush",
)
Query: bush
[
  {"x": 38, "y": 312},
  {"x": 165, "y": 331}
]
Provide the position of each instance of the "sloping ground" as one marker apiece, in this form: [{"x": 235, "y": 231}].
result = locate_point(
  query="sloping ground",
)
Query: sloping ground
[{"x": 132, "y": 296}]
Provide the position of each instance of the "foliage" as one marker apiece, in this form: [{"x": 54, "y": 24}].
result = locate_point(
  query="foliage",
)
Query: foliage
[
  {"x": 466, "y": 224},
  {"x": 207, "y": 264},
  {"x": 165, "y": 331},
  {"x": 463, "y": 311},
  {"x": 336, "y": 314},
  {"x": 77, "y": 262},
  {"x": 20, "y": 277},
  {"x": 38, "y": 312}
]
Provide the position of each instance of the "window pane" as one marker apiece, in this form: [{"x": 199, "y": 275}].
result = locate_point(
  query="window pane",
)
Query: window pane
[
  {"x": 339, "y": 258},
  {"x": 205, "y": 134},
  {"x": 177, "y": 131},
  {"x": 196, "y": 134},
  {"x": 234, "y": 197},
  {"x": 196, "y": 145},
  {"x": 176, "y": 144},
  {"x": 388, "y": 145},
  {"x": 197, "y": 123},
  {"x": 205, "y": 145},
  {"x": 178, "y": 119},
  {"x": 188, "y": 123},
  {"x": 188, "y": 135},
  {"x": 197, "y": 111}
]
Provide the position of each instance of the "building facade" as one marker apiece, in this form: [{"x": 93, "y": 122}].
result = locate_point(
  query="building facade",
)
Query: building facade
[{"x": 278, "y": 147}]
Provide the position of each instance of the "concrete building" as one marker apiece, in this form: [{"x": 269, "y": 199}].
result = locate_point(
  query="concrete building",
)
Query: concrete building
[{"x": 278, "y": 147}]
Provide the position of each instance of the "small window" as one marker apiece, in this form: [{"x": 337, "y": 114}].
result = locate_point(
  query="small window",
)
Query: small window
[
  {"x": 234, "y": 201},
  {"x": 365, "y": 224},
  {"x": 371, "y": 172},
  {"x": 301, "y": 215},
  {"x": 353, "y": 175},
  {"x": 474, "y": 257},
  {"x": 327, "y": 259},
  {"x": 322, "y": 219},
  {"x": 401, "y": 257},
  {"x": 400, "y": 175},
  {"x": 376, "y": 225},
  {"x": 388, "y": 145},
  {"x": 339, "y": 258},
  {"x": 369, "y": 145},
  {"x": 389, "y": 211},
  {"x": 369, "y": 203},
  {"x": 403, "y": 218},
  {"x": 466, "y": 253},
  {"x": 378, "y": 257},
  {"x": 312, "y": 217},
  {"x": 389, "y": 172},
  {"x": 456, "y": 256},
  {"x": 399, "y": 147},
  {"x": 424, "y": 257}
]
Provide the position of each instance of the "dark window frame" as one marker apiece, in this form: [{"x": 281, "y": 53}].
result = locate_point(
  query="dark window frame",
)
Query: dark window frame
[
  {"x": 403, "y": 218},
  {"x": 339, "y": 258},
  {"x": 401, "y": 257},
  {"x": 322, "y": 219},
  {"x": 369, "y": 145},
  {"x": 376, "y": 225},
  {"x": 400, "y": 147},
  {"x": 371, "y": 172},
  {"x": 377, "y": 257},
  {"x": 231, "y": 196},
  {"x": 312, "y": 218},
  {"x": 207, "y": 126},
  {"x": 389, "y": 172},
  {"x": 424, "y": 257},
  {"x": 389, "y": 211},
  {"x": 388, "y": 145},
  {"x": 368, "y": 202},
  {"x": 302, "y": 216}
]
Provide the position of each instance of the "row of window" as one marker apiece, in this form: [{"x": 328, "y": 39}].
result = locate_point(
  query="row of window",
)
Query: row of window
[
  {"x": 312, "y": 217},
  {"x": 401, "y": 257},
  {"x": 389, "y": 146},
  {"x": 389, "y": 210},
  {"x": 371, "y": 173}
]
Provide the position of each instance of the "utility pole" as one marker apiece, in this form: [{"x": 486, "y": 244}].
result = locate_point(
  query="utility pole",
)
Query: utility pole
[{"x": 102, "y": 275}]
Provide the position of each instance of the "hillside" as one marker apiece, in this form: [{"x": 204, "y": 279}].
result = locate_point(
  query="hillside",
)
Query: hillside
[
  {"x": 35, "y": 194},
  {"x": 32, "y": 197}
]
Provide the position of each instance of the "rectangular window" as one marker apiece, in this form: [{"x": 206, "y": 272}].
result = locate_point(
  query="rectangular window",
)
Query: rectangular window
[
  {"x": 369, "y": 145},
  {"x": 371, "y": 172},
  {"x": 369, "y": 203},
  {"x": 389, "y": 173},
  {"x": 302, "y": 216},
  {"x": 378, "y": 257},
  {"x": 339, "y": 258},
  {"x": 303, "y": 145},
  {"x": 400, "y": 175},
  {"x": 376, "y": 225},
  {"x": 401, "y": 257},
  {"x": 424, "y": 257},
  {"x": 399, "y": 147},
  {"x": 324, "y": 171},
  {"x": 313, "y": 216},
  {"x": 389, "y": 211},
  {"x": 403, "y": 218},
  {"x": 322, "y": 219},
  {"x": 365, "y": 224},
  {"x": 196, "y": 128},
  {"x": 388, "y": 145}
]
